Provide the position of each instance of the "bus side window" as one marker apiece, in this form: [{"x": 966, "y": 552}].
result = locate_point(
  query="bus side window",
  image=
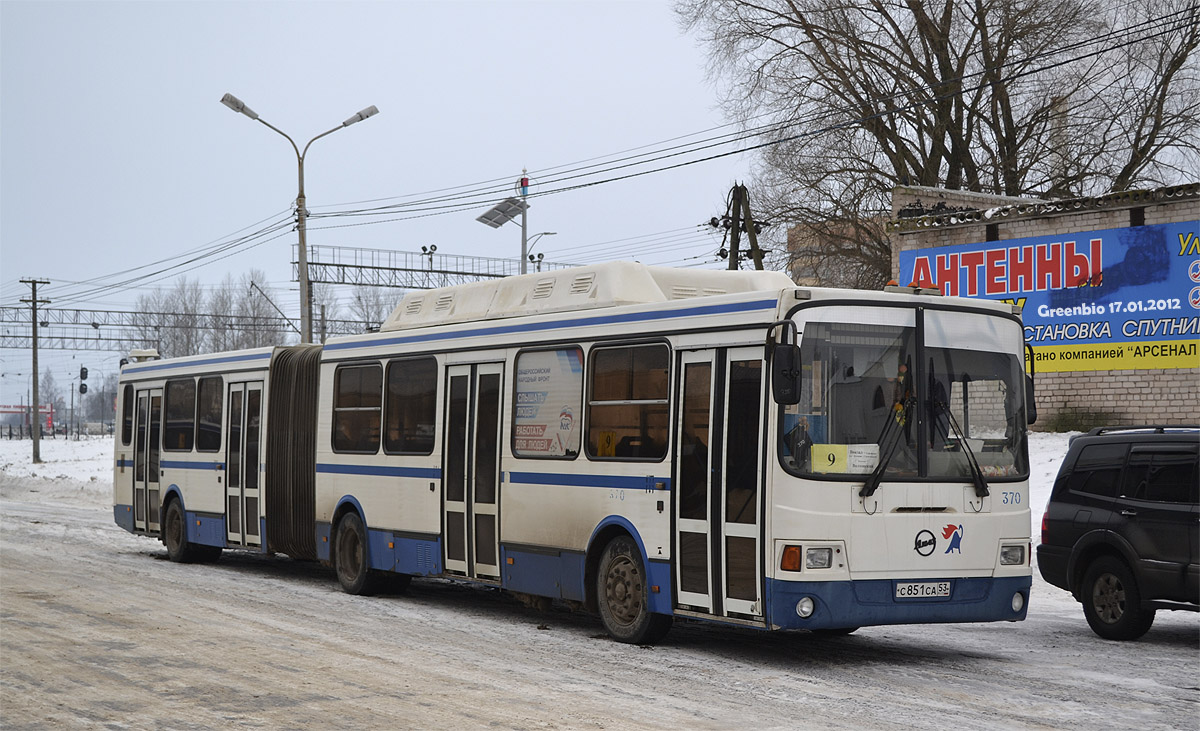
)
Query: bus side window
[
  {"x": 411, "y": 403},
  {"x": 179, "y": 431},
  {"x": 627, "y": 403},
  {"x": 126, "y": 415},
  {"x": 357, "y": 402},
  {"x": 208, "y": 414}
]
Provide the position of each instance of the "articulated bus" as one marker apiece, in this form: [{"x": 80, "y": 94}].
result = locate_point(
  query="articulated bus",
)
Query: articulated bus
[{"x": 647, "y": 442}]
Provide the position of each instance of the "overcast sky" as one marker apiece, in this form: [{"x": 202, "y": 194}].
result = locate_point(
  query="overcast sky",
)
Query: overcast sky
[{"x": 115, "y": 151}]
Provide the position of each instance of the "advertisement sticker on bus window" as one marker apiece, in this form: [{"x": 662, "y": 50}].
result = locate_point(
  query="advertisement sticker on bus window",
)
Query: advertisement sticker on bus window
[{"x": 548, "y": 403}]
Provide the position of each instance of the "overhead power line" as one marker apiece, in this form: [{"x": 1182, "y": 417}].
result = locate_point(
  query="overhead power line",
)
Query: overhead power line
[
  {"x": 621, "y": 166},
  {"x": 485, "y": 195}
]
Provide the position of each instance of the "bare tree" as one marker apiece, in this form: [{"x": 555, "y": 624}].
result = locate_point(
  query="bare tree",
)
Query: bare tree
[
  {"x": 171, "y": 319},
  {"x": 1014, "y": 97},
  {"x": 183, "y": 320},
  {"x": 254, "y": 310},
  {"x": 372, "y": 305},
  {"x": 48, "y": 394},
  {"x": 218, "y": 337},
  {"x": 325, "y": 303}
]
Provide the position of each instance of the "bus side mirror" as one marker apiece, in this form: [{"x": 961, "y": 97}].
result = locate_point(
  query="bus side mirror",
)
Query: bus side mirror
[
  {"x": 1030, "y": 402},
  {"x": 785, "y": 374}
]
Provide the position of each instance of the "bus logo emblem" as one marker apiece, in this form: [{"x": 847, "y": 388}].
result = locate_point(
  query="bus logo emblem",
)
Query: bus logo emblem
[
  {"x": 924, "y": 543},
  {"x": 955, "y": 535}
]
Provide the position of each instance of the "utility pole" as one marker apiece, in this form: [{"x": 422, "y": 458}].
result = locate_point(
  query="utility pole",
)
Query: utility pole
[
  {"x": 739, "y": 219},
  {"x": 523, "y": 184},
  {"x": 735, "y": 230},
  {"x": 751, "y": 229},
  {"x": 36, "y": 405}
]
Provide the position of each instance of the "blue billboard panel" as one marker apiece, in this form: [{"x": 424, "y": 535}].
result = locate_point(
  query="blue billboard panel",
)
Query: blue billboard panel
[{"x": 1122, "y": 298}]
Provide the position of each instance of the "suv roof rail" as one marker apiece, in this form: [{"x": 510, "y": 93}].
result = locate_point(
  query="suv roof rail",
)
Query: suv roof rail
[{"x": 1154, "y": 428}]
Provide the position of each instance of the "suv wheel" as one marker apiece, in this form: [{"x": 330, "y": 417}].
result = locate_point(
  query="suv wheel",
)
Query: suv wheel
[{"x": 1112, "y": 602}]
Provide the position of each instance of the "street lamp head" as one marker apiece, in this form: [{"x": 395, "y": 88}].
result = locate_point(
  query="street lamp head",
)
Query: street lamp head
[
  {"x": 537, "y": 237},
  {"x": 370, "y": 111},
  {"x": 238, "y": 105}
]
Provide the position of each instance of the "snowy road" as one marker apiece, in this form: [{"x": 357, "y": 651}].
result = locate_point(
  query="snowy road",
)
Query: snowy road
[{"x": 97, "y": 628}]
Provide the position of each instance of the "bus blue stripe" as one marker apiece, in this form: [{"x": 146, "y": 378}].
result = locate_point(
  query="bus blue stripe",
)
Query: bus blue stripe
[
  {"x": 432, "y": 473},
  {"x": 194, "y": 363},
  {"x": 180, "y": 465},
  {"x": 556, "y": 324},
  {"x": 577, "y": 480}
]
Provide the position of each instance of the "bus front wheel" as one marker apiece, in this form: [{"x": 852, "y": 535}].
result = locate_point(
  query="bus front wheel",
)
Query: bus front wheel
[{"x": 622, "y": 593}]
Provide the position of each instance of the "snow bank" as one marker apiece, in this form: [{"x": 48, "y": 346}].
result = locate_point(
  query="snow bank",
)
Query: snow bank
[{"x": 77, "y": 472}]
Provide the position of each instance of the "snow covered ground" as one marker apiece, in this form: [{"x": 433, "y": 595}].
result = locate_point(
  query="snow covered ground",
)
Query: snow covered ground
[{"x": 97, "y": 629}]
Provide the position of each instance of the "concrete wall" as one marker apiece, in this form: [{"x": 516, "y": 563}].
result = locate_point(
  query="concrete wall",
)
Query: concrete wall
[{"x": 1082, "y": 398}]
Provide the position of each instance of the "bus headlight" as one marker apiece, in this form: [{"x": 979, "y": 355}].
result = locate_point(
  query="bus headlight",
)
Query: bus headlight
[
  {"x": 1018, "y": 601},
  {"x": 805, "y": 607},
  {"x": 1012, "y": 555},
  {"x": 818, "y": 558}
]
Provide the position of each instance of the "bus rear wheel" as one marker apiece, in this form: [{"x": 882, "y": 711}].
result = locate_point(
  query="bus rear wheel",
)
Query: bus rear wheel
[
  {"x": 350, "y": 556},
  {"x": 174, "y": 537},
  {"x": 622, "y": 594}
]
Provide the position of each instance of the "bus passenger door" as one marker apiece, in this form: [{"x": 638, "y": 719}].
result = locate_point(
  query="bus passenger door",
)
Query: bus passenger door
[
  {"x": 243, "y": 454},
  {"x": 148, "y": 430},
  {"x": 719, "y": 483},
  {"x": 472, "y": 470}
]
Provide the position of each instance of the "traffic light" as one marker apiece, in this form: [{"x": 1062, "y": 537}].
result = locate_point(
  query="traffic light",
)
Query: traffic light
[
  {"x": 82, "y": 374},
  {"x": 82, "y": 388}
]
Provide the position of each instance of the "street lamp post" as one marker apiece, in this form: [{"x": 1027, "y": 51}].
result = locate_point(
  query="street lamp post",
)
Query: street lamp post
[
  {"x": 238, "y": 105},
  {"x": 507, "y": 210}
]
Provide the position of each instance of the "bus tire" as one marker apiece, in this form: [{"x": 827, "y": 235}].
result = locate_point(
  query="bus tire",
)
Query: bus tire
[
  {"x": 174, "y": 537},
  {"x": 1112, "y": 601},
  {"x": 623, "y": 596},
  {"x": 350, "y": 556}
]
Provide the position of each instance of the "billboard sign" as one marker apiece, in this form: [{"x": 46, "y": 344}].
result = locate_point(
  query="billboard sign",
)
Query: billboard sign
[{"x": 1112, "y": 299}]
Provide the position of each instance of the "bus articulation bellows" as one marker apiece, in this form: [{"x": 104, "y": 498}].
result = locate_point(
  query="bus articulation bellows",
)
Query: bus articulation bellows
[{"x": 652, "y": 443}]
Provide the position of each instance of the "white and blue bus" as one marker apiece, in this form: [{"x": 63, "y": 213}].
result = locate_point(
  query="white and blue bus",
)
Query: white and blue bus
[{"x": 648, "y": 442}]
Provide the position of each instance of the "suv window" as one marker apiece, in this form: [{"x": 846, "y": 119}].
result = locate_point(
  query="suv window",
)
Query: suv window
[
  {"x": 1162, "y": 475},
  {"x": 1098, "y": 469}
]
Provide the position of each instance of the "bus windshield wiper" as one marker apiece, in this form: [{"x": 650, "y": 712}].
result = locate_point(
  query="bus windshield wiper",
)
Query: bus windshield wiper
[
  {"x": 981, "y": 486},
  {"x": 893, "y": 432}
]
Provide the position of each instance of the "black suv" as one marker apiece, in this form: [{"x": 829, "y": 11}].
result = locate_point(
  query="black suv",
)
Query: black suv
[{"x": 1121, "y": 529}]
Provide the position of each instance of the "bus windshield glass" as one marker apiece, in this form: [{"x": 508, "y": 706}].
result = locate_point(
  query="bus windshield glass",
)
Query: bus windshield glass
[{"x": 873, "y": 394}]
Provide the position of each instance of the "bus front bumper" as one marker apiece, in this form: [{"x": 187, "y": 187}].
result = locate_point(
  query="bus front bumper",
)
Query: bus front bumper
[{"x": 864, "y": 603}]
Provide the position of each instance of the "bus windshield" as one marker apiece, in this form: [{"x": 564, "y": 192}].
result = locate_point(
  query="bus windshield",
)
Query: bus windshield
[{"x": 874, "y": 393}]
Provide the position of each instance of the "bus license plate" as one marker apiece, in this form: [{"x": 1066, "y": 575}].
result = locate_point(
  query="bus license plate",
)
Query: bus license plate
[{"x": 923, "y": 589}]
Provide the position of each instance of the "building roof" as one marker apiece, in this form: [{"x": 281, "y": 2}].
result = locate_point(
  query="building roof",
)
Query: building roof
[{"x": 965, "y": 214}]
